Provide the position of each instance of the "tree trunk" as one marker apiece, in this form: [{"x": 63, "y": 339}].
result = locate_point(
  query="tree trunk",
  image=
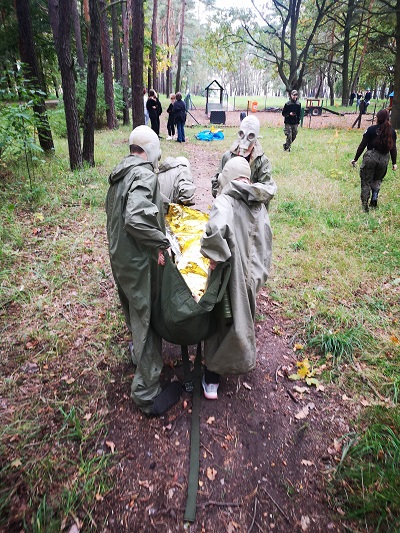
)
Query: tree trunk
[
  {"x": 63, "y": 30},
  {"x": 178, "y": 71},
  {"x": 28, "y": 56},
  {"x": 116, "y": 43},
  {"x": 154, "y": 46},
  {"x": 346, "y": 53},
  {"x": 78, "y": 39},
  {"x": 168, "y": 80},
  {"x": 395, "y": 117},
  {"x": 91, "y": 92},
  {"x": 137, "y": 62},
  {"x": 125, "y": 59},
  {"x": 365, "y": 45},
  {"x": 107, "y": 67}
]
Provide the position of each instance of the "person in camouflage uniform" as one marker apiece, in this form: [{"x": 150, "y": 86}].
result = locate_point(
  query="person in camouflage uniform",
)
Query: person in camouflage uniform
[
  {"x": 380, "y": 141},
  {"x": 291, "y": 114}
]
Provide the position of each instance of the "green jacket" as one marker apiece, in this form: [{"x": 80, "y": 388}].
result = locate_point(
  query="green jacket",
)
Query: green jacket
[
  {"x": 260, "y": 166},
  {"x": 135, "y": 231},
  {"x": 238, "y": 231}
]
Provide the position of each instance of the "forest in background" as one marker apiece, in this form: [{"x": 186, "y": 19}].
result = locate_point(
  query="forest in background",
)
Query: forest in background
[{"x": 97, "y": 55}]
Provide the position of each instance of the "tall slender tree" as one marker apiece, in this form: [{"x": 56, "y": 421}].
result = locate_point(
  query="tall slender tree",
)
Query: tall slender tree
[
  {"x": 116, "y": 42},
  {"x": 125, "y": 61},
  {"x": 136, "y": 54},
  {"x": 78, "y": 38},
  {"x": 180, "y": 46},
  {"x": 107, "y": 66},
  {"x": 92, "y": 74},
  {"x": 168, "y": 74},
  {"x": 154, "y": 46},
  {"x": 28, "y": 56},
  {"x": 62, "y": 38}
]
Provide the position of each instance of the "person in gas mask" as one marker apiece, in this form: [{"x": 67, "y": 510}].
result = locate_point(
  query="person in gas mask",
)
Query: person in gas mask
[
  {"x": 248, "y": 146},
  {"x": 238, "y": 231},
  {"x": 176, "y": 181},
  {"x": 291, "y": 113},
  {"x": 137, "y": 242}
]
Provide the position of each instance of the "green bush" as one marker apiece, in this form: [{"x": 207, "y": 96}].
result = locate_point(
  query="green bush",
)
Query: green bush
[{"x": 101, "y": 106}]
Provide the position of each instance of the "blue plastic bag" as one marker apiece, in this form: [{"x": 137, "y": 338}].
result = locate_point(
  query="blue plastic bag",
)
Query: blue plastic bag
[{"x": 208, "y": 135}]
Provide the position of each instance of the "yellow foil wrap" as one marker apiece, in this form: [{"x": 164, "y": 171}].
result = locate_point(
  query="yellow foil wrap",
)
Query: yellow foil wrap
[{"x": 188, "y": 226}]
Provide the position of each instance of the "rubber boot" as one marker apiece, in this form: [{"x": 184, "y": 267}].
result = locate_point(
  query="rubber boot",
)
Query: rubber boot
[{"x": 374, "y": 199}]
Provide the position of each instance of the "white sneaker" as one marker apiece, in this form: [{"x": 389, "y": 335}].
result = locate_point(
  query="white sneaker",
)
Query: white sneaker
[
  {"x": 169, "y": 138},
  {"x": 210, "y": 390}
]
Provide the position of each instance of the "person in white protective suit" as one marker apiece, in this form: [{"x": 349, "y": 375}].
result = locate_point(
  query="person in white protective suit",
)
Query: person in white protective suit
[
  {"x": 248, "y": 146},
  {"x": 137, "y": 242},
  {"x": 238, "y": 231},
  {"x": 176, "y": 181}
]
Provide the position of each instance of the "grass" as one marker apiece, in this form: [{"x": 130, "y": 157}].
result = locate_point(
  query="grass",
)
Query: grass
[
  {"x": 367, "y": 482},
  {"x": 335, "y": 274}
]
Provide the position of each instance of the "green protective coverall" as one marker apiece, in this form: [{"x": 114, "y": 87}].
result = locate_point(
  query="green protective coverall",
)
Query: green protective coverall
[
  {"x": 260, "y": 165},
  {"x": 176, "y": 180},
  {"x": 136, "y": 231},
  {"x": 239, "y": 231}
]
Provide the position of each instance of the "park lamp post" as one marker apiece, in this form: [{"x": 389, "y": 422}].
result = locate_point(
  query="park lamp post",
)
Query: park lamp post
[{"x": 189, "y": 64}]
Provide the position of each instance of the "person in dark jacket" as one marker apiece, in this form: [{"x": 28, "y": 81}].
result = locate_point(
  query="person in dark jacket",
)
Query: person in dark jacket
[
  {"x": 171, "y": 121},
  {"x": 380, "y": 141},
  {"x": 154, "y": 108},
  {"x": 291, "y": 113},
  {"x": 179, "y": 110}
]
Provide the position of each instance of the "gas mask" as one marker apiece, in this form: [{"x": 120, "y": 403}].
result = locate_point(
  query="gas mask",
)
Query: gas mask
[
  {"x": 248, "y": 133},
  {"x": 235, "y": 168},
  {"x": 148, "y": 140}
]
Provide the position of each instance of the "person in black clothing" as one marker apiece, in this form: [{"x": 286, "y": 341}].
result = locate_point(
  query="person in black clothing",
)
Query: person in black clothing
[
  {"x": 179, "y": 110},
  {"x": 362, "y": 108},
  {"x": 171, "y": 121},
  {"x": 154, "y": 108},
  {"x": 352, "y": 96},
  {"x": 380, "y": 141},
  {"x": 291, "y": 112}
]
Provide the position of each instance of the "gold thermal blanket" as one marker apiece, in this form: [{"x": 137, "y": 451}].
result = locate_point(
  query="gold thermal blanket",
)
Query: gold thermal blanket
[{"x": 186, "y": 226}]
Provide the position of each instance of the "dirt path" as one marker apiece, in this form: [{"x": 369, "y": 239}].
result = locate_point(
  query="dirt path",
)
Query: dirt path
[{"x": 266, "y": 450}]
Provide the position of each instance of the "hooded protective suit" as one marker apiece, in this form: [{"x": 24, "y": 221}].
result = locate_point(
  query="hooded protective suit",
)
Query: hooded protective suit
[
  {"x": 238, "y": 230},
  {"x": 176, "y": 180},
  {"x": 261, "y": 169},
  {"x": 136, "y": 231}
]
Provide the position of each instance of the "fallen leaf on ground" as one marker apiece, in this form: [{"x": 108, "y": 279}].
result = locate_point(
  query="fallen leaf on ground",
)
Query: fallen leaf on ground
[
  {"x": 210, "y": 420},
  {"x": 303, "y": 413},
  {"x": 305, "y": 523},
  {"x": 298, "y": 346},
  {"x": 305, "y": 462},
  {"x": 304, "y": 368},
  {"x": 246, "y": 385},
  {"x": 211, "y": 473},
  {"x": 301, "y": 390},
  {"x": 111, "y": 445},
  {"x": 16, "y": 463}
]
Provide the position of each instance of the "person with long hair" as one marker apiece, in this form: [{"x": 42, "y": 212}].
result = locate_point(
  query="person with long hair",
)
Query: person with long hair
[
  {"x": 380, "y": 141},
  {"x": 154, "y": 109}
]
